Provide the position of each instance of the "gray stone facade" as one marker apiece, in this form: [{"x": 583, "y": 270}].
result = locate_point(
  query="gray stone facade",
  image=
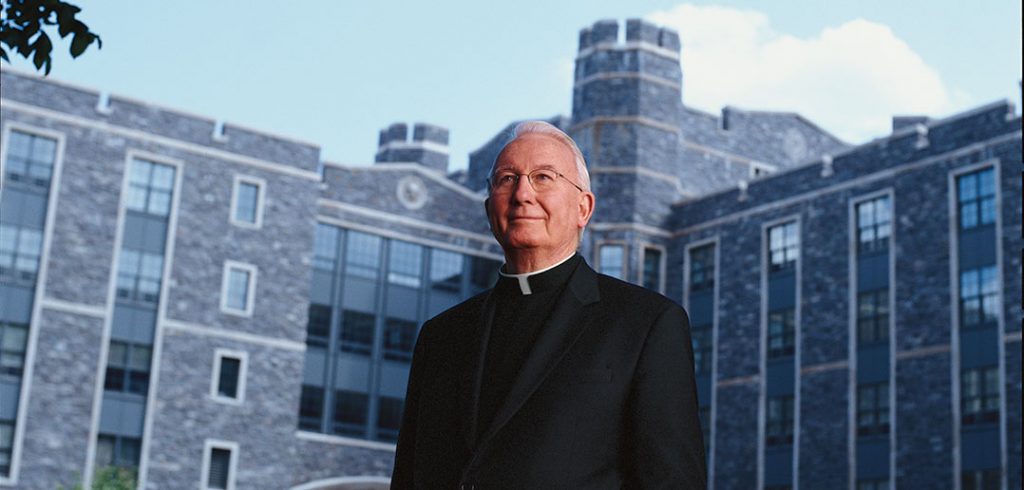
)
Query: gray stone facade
[{"x": 666, "y": 176}]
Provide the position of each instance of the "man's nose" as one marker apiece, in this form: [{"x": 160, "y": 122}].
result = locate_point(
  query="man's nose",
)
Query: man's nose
[{"x": 523, "y": 191}]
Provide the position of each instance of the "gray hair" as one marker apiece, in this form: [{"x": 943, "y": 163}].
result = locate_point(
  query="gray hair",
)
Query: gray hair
[{"x": 546, "y": 128}]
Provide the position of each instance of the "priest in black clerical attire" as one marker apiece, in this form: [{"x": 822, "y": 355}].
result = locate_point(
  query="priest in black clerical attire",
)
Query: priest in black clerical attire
[{"x": 558, "y": 377}]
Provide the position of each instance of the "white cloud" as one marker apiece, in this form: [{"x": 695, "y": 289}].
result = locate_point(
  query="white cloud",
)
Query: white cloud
[{"x": 850, "y": 79}]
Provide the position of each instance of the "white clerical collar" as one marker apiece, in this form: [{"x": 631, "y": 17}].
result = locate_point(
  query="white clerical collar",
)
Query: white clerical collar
[{"x": 524, "y": 283}]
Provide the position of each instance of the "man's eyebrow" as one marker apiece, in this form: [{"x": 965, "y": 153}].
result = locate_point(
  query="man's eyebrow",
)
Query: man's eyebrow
[{"x": 509, "y": 168}]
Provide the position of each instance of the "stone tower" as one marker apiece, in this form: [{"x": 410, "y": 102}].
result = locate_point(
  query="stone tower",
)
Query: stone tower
[{"x": 627, "y": 106}]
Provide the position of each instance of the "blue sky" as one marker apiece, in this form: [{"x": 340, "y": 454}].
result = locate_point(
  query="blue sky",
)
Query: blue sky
[{"x": 334, "y": 73}]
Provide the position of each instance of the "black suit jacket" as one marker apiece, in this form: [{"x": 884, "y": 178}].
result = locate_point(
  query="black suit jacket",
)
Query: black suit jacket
[{"x": 605, "y": 399}]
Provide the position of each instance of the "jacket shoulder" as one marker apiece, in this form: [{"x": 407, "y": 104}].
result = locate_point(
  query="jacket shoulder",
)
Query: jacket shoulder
[
  {"x": 466, "y": 314},
  {"x": 631, "y": 296}
]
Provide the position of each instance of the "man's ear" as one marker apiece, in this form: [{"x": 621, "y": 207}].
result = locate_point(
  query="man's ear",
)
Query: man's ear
[
  {"x": 586, "y": 208},
  {"x": 487, "y": 210}
]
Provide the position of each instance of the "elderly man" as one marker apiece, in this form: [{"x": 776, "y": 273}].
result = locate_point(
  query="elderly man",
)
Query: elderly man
[{"x": 558, "y": 377}]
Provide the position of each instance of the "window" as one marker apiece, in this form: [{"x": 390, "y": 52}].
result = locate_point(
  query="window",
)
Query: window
[
  {"x": 228, "y": 381},
  {"x": 783, "y": 246},
  {"x": 350, "y": 413},
  {"x": 652, "y": 269},
  {"x": 979, "y": 395},
  {"x": 781, "y": 333},
  {"x": 238, "y": 288},
  {"x": 980, "y": 480},
  {"x": 149, "y": 187},
  {"x": 362, "y": 258},
  {"x": 119, "y": 451},
  {"x": 139, "y": 275},
  {"x": 702, "y": 268},
  {"x": 19, "y": 252},
  {"x": 247, "y": 202},
  {"x": 404, "y": 264},
  {"x": 311, "y": 407},
  {"x": 389, "y": 418},
  {"x": 30, "y": 159},
  {"x": 13, "y": 338},
  {"x": 318, "y": 326},
  {"x": 128, "y": 368},
  {"x": 356, "y": 332},
  {"x": 701, "y": 338},
  {"x": 779, "y": 424},
  {"x": 873, "y": 484},
  {"x": 612, "y": 261},
  {"x": 976, "y": 196},
  {"x": 874, "y": 225},
  {"x": 873, "y": 316},
  {"x": 873, "y": 409},
  {"x": 445, "y": 270},
  {"x": 325, "y": 247},
  {"x": 399, "y": 339},
  {"x": 979, "y": 297},
  {"x": 6, "y": 445},
  {"x": 219, "y": 461}
]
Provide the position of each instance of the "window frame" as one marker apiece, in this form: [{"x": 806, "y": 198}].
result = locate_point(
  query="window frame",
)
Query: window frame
[
  {"x": 875, "y": 411},
  {"x": 243, "y": 365},
  {"x": 978, "y": 198},
  {"x": 208, "y": 446},
  {"x": 253, "y": 271},
  {"x": 625, "y": 257},
  {"x": 787, "y": 263},
  {"x": 876, "y": 245},
  {"x": 787, "y": 424},
  {"x": 662, "y": 259},
  {"x": 261, "y": 186}
]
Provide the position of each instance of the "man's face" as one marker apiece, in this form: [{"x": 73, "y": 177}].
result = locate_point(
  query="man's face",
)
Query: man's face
[{"x": 547, "y": 223}]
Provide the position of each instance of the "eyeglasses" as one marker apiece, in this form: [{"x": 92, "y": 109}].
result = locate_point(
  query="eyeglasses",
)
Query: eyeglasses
[{"x": 542, "y": 180}]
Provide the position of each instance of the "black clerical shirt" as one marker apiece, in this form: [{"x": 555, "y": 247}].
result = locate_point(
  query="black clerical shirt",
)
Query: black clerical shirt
[{"x": 518, "y": 318}]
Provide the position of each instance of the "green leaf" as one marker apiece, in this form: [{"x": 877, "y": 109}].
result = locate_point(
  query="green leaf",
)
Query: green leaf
[{"x": 79, "y": 43}]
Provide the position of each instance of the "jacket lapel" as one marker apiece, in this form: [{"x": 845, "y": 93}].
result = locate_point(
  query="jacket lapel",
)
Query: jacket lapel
[{"x": 566, "y": 323}]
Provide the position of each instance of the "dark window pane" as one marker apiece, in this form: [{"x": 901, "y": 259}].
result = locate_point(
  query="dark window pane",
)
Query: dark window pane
[
  {"x": 399, "y": 339},
  {"x": 389, "y": 418},
  {"x": 319, "y": 326},
  {"x": 220, "y": 464},
  {"x": 311, "y": 407},
  {"x": 652, "y": 269},
  {"x": 229, "y": 370},
  {"x": 357, "y": 332},
  {"x": 702, "y": 267},
  {"x": 350, "y": 412}
]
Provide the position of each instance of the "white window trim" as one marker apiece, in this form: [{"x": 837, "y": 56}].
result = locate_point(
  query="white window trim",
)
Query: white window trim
[
  {"x": 954, "y": 293},
  {"x": 765, "y": 244},
  {"x": 39, "y": 293},
  {"x": 625, "y": 256},
  {"x": 852, "y": 244},
  {"x": 208, "y": 446},
  {"x": 261, "y": 186},
  {"x": 690, "y": 247},
  {"x": 644, "y": 246},
  {"x": 243, "y": 361},
  {"x": 250, "y": 292}
]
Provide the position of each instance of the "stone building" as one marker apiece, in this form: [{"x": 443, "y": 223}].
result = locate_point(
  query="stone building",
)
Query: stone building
[{"x": 215, "y": 306}]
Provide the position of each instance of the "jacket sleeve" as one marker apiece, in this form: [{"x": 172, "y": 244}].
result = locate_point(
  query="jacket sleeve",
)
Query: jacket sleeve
[
  {"x": 405, "y": 453},
  {"x": 666, "y": 447}
]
